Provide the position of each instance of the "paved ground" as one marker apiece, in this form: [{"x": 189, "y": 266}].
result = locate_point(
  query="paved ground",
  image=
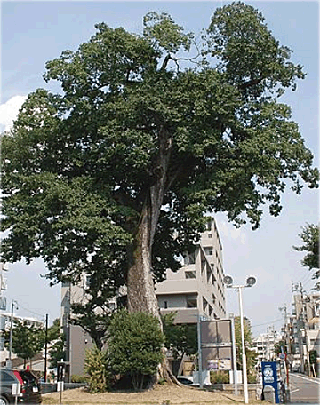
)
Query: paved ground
[{"x": 304, "y": 390}]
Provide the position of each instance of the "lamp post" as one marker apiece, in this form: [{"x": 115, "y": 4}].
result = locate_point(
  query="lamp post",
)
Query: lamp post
[
  {"x": 250, "y": 281},
  {"x": 13, "y": 304}
]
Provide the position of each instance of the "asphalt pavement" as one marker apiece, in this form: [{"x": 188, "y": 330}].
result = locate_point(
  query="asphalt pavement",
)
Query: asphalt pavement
[{"x": 304, "y": 390}]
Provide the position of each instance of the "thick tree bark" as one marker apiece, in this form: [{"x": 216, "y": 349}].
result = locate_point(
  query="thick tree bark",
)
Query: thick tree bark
[{"x": 140, "y": 283}]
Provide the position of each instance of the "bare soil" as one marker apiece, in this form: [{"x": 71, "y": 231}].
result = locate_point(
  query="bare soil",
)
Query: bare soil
[{"x": 159, "y": 395}]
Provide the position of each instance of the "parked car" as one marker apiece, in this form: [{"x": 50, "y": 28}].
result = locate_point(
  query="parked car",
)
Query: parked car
[
  {"x": 30, "y": 392},
  {"x": 185, "y": 380},
  {"x": 296, "y": 368}
]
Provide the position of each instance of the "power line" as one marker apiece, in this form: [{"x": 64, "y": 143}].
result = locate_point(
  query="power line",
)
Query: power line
[
  {"x": 267, "y": 323},
  {"x": 28, "y": 310},
  {"x": 31, "y": 312}
]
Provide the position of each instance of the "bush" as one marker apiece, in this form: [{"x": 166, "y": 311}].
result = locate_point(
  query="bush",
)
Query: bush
[
  {"x": 252, "y": 379},
  {"x": 219, "y": 377},
  {"x": 96, "y": 367},
  {"x": 79, "y": 379},
  {"x": 134, "y": 346}
]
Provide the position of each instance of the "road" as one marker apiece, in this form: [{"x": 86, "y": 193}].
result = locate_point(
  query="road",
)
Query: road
[{"x": 304, "y": 390}]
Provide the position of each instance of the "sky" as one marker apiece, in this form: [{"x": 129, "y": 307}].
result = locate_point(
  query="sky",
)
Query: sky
[{"x": 35, "y": 32}]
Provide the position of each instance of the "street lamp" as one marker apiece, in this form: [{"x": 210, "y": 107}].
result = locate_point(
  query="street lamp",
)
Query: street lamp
[
  {"x": 14, "y": 303},
  {"x": 250, "y": 281}
]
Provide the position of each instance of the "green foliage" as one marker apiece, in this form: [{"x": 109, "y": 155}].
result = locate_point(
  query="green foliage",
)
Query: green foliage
[
  {"x": 95, "y": 365},
  {"x": 79, "y": 379},
  {"x": 278, "y": 347},
  {"x": 313, "y": 356},
  {"x": 180, "y": 339},
  {"x": 93, "y": 314},
  {"x": 27, "y": 340},
  {"x": 310, "y": 237},
  {"x": 57, "y": 351},
  {"x": 251, "y": 356},
  {"x": 56, "y": 341},
  {"x": 53, "y": 332},
  {"x": 219, "y": 377},
  {"x": 134, "y": 346},
  {"x": 135, "y": 129}
]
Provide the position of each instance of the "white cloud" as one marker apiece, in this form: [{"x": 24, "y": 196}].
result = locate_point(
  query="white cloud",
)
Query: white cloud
[{"x": 9, "y": 111}]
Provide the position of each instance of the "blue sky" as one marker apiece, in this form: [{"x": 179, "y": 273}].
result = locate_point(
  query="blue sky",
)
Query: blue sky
[{"x": 35, "y": 32}]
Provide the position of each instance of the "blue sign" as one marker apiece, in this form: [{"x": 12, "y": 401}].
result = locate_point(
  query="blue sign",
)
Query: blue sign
[{"x": 269, "y": 376}]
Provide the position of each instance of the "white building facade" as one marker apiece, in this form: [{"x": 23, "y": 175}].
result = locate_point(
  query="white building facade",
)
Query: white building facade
[{"x": 197, "y": 287}]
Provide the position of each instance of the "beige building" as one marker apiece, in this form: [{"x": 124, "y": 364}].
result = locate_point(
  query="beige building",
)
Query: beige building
[
  {"x": 195, "y": 289},
  {"x": 302, "y": 330},
  {"x": 264, "y": 345}
]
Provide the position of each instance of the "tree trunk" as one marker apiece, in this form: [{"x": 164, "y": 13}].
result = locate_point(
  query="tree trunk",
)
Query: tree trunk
[{"x": 140, "y": 283}]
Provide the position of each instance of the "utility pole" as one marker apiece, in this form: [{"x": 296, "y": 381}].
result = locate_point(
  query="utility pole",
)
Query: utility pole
[
  {"x": 303, "y": 317},
  {"x": 305, "y": 320},
  {"x": 284, "y": 309},
  {"x": 45, "y": 349},
  {"x": 13, "y": 304}
]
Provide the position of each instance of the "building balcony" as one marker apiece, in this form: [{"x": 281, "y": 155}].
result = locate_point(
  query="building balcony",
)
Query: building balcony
[{"x": 184, "y": 315}]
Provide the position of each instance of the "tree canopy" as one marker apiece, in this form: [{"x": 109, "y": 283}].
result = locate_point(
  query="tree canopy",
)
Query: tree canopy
[
  {"x": 310, "y": 238},
  {"x": 27, "y": 340},
  {"x": 149, "y": 133},
  {"x": 251, "y": 356}
]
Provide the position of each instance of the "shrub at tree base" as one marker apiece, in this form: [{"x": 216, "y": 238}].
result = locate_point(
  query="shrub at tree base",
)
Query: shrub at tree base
[
  {"x": 219, "y": 377},
  {"x": 96, "y": 367},
  {"x": 134, "y": 346},
  {"x": 80, "y": 379}
]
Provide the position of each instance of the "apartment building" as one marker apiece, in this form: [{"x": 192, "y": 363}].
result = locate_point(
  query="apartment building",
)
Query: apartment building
[
  {"x": 197, "y": 287},
  {"x": 302, "y": 329},
  {"x": 6, "y": 319},
  {"x": 264, "y": 345}
]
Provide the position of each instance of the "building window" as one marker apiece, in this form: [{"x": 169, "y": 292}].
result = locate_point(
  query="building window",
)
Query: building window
[
  {"x": 88, "y": 281},
  {"x": 190, "y": 258},
  {"x": 190, "y": 274},
  {"x": 165, "y": 304},
  {"x": 209, "y": 225},
  {"x": 205, "y": 304},
  {"x": 208, "y": 251},
  {"x": 191, "y": 302},
  {"x": 209, "y": 235}
]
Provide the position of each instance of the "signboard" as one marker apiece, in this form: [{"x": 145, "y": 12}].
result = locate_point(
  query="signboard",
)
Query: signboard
[
  {"x": 225, "y": 364},
  {"x": 269, "y": 376},
  {"x": 216, "y": 345},
  {"x": 213, "y": 365},
  {"x": 60, "y": 386},
  {"x": 222, "y": 364},
  {"x": 15, "y": 389}
]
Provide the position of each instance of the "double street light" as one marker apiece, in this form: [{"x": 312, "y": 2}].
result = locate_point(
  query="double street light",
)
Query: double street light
[{"x": 250, "y": 281}]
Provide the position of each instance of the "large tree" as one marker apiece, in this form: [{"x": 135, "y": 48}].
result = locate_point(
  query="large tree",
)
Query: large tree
[{"x": 149, "y": 133}]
